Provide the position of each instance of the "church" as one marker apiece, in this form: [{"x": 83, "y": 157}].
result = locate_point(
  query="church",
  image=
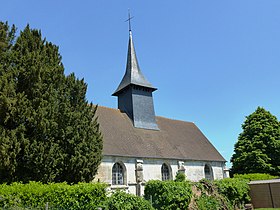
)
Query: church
[{"x": 139, "y": 146}]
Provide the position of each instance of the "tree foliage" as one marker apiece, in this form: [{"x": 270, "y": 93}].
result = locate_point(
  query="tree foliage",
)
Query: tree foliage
[
  {"x": 48, "y": 131},
  {"x": 258, "y": 147}
]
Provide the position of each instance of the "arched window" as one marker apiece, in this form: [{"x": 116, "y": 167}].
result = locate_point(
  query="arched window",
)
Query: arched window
[
  {"x": 208, "y": 172},
  {"x": 117, "y": 174},
  {"x": 165, "y": 174}
]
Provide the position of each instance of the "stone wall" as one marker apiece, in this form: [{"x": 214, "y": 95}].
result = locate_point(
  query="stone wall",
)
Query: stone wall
[{"x": 138, "y": 171}]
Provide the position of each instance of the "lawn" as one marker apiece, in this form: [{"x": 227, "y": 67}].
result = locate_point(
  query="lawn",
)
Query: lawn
[{"x": 268, "y": 209}]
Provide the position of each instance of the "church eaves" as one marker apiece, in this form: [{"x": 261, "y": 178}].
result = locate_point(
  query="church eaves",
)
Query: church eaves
[{"x": 133, "y": 74}]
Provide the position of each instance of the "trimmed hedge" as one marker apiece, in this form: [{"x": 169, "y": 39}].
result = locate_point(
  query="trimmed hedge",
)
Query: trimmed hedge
[
  {"x": 55, "y": 195},
  {"x": 226, "y": 193},
  {"x": 168, "y": 194},
  {"x": 255, "y": 176},
  {"x": 123, "y": 201}
]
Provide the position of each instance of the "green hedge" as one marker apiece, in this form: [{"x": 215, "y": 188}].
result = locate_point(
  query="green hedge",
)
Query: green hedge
[
  {"x": 206, "y": 202},
  {"x": 255, "y": 176},
  {"x": 235, "y": 190},
  {"x": 123, "y": 201},
  {"x": 228, "y": 193},
  {"x": 55, "y": 195},
  {"x": 168, "y": 194},
  {"x": 207, "y": 196}
]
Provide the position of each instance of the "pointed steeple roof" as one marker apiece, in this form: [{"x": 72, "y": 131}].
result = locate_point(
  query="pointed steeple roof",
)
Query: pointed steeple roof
[{"x": 133, "y": 74}]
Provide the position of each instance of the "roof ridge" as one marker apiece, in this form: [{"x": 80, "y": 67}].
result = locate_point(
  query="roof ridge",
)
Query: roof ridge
[
  {"x": 115, "y": 109},
  {"x": 107, "y": 107},
  {"x": 175, "y": 119}
]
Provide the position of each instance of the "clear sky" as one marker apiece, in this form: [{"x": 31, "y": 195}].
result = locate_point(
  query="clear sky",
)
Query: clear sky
[{"x": 213, "y": 61}]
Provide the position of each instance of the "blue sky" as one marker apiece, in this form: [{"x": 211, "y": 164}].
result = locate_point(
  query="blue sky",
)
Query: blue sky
[{"x": 213, "y": 61}]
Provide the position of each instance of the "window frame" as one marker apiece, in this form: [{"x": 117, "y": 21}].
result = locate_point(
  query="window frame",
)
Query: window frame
[
  {"x": 165, "y": 172},
  {"x": 118, "y": 174},
  {"x": 208, "y": 172}
]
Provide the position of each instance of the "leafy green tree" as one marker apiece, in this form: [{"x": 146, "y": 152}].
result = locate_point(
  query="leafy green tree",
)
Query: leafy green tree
[
  {"x": 258, "y": 147},
  {"x": 48, "y": 130}
]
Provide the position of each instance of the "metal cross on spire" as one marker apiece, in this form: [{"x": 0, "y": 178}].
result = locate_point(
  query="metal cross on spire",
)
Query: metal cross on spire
[{"x": 129, "y": 18}]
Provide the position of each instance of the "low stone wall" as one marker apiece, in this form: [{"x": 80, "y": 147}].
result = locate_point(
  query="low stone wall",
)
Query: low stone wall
[{"x": 265, "y": 193}]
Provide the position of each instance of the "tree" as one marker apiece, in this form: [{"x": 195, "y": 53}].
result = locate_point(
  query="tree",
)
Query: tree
[
  {"x": 258, "y": 147},
  {"x": 48, "y": 130}
]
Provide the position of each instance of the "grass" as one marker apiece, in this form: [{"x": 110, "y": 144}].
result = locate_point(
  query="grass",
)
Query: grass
[{"x": 268, "y": 209}]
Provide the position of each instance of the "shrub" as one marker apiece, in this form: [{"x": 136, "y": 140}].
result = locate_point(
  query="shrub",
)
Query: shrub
[
  {"x": 255, "y": 176},
  {"x": 180, "y": 177},
  {"x": 123, "y": 201},
  {"x": 206, "y": 202},
  {"x": 168, "y": 194},
  {"x": 235, "y": 190},
  {"x": 206, "y": 185},
  {"x": 207, "y": 196},
  {"x": 57, "y": 195}
]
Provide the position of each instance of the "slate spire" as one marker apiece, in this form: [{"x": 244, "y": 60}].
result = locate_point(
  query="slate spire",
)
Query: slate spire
[
  {"x": 135, "y": 92},
  {"x": 133, "y": 74}
]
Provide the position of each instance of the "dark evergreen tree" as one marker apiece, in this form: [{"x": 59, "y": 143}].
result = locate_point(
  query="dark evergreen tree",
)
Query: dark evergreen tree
[
  {"x": 258, "y": 147},
  {"x": 48, "y": 129},
  {"x": 10, "y": 135}
]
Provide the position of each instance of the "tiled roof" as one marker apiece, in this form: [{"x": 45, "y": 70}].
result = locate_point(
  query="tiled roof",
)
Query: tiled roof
[{"x": 175, "y": 139}]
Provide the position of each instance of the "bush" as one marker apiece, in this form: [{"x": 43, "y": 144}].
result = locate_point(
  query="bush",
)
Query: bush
[
  {"x": 124, "y": 201},
  {"x": 168, "y": 194},
  {"x": 180, "y": 177},
  {"x": 235, "y": 190},
  {"x": 256, "y": 176},
  {"x": 56, "y": 195},
  {"x": 206, "y": 202},
  {"x": 207, "y": 196}
]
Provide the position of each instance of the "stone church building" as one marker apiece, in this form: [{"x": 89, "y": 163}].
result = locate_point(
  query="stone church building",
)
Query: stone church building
[{"x": 139, "y": 146}]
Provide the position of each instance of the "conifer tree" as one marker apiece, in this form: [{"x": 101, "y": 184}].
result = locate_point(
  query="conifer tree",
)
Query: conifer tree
[
  {"x": 258, "y": 147},
  {"x": 48, "y": 130}
]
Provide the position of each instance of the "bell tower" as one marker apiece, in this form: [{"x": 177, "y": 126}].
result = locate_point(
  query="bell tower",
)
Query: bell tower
[{"x": 135, "y": 93}]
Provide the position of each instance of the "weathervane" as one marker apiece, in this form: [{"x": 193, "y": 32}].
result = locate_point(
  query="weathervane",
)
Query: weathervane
[{"x": 129, "y": 18}]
